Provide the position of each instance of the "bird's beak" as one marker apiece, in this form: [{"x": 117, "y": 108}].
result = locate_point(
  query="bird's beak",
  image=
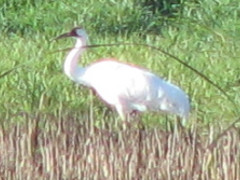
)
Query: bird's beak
[{"x": 65, "y": 35}]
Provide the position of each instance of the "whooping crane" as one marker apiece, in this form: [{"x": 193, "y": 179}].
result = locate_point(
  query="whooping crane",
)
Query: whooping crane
[{"x": 125, "y": 87}]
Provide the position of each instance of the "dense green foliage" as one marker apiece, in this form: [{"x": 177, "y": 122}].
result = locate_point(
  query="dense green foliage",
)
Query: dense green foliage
[
  {"x": 205, "y": 34},
  {"x": 103, "y": 16}
]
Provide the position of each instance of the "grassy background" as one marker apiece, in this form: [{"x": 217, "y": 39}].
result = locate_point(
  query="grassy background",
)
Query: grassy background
[
  {"x": 204, "y": 34},
  {"x": 56, "y": 129}
]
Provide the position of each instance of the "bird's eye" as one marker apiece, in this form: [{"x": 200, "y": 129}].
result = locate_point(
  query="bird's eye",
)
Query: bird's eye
[{"x": 79, "y": 32}]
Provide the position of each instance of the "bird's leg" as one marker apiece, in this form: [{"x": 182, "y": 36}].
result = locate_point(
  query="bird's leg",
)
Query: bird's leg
[
  {"x": 124, "y": 117},
  {"x": 120, "y": 111},
  {"x": 91, "y": 113}
]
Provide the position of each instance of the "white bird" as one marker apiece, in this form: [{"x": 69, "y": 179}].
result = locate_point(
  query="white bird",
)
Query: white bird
[{"x": 125, "y": 87}]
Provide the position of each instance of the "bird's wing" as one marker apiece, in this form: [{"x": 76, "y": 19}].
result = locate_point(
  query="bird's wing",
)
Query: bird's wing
[{"x": 113, "y": 80}]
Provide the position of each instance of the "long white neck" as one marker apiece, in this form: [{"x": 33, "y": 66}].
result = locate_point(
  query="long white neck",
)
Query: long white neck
[{"x": 71, "y": 67}]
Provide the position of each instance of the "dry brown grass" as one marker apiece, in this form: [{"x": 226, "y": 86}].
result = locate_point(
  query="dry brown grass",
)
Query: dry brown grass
[{"x": 68, "y": 149}]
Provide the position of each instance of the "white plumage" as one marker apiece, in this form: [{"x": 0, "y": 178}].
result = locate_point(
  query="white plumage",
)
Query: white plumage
[{"x": 126, "y": 87}]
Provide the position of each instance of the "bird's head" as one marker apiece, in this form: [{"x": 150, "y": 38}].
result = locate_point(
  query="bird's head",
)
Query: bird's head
[{"x": 76, "y": 32}]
